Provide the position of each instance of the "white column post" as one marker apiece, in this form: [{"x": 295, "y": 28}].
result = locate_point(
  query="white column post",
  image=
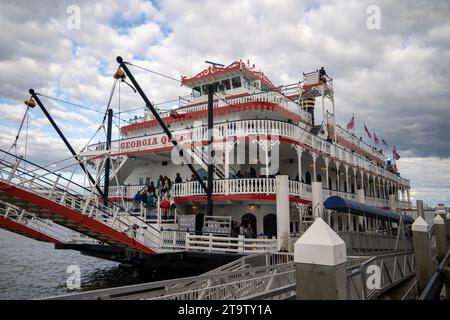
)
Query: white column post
[
  {"x": 338, "y": 184},
  {"x": 360, "y": 196},
  {"x": 362, "y": 180},
  {"x": 392, "y": 202},
  {"x": 282, "y": 201},
  {"x": 314, "y": 158},
  {"x": 327, "y": 163},
  {"x": 346, "y": 178},
  {"x": 317, "y": 199},
  {"x": 299, "y": 150}
]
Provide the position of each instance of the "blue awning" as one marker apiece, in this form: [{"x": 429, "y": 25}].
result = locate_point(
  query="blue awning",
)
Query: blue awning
[{"x": 354, "y": 207}]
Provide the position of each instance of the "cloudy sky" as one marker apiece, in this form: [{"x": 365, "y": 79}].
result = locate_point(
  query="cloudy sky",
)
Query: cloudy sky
[{"x": 394, "y": 76}]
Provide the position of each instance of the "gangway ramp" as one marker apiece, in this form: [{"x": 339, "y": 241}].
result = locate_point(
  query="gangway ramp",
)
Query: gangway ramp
[
  {"x": 30, "y": 226},
  {"x": 48, "y": 195}
]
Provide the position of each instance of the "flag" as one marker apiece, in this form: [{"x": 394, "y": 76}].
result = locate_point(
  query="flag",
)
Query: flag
[
  {"x": 351, "y": 124},
  {"x": 396, "y": 155},
  {"x": 367, "y": 131},
  {"x": 375, "y": 138},
  {"x": 384, "y": 143}
]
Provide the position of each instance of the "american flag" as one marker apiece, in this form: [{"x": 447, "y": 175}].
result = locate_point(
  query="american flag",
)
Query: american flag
[
  {"x": 351, "y": 124},
  {"x": 384, "y": 143},
  {"x": 395, "y": 154},
  {"x": 375, "y": 138},
  {"x": 367, "y": 131}
]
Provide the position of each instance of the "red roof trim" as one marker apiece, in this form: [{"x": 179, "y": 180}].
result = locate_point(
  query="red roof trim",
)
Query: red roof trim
[{"x": 213, "y": 71}]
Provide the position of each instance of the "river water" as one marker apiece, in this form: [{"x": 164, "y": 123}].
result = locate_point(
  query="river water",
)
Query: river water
[{"x": 31, "y": 269}]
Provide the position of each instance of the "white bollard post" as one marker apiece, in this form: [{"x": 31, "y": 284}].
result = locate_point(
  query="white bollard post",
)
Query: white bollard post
[
  {"x": 422, "y": 252},
  {"x": 320, "y": 257},
  {"x": 283, "y": 231},
  {"x": 317, "y": 200},
  {"x": 441, "y": 237}
]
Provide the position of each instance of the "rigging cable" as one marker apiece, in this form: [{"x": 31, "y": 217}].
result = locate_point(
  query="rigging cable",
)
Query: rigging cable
[
  {"x": 169, "y": 77},
  {"x": 14, "y": 145}
]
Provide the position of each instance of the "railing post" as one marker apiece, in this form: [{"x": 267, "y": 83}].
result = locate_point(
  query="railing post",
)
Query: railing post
[
  {"x": 210, "y": 242},
  {"x": 241, "y": 243},
  {"x": 320, "y": 258},
  {"x": 422, "y": 252},
  {"x": 441, "y": 237}
]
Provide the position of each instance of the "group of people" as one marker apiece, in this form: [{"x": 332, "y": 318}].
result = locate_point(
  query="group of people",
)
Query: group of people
[
  {"x": 149, "y": 195},
  {"x": 242, "y": 229}
]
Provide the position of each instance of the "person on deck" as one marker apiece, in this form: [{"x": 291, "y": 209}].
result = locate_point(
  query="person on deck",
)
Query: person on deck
[
  {"x": 137, "y": 201},
  {"x": 151, "y": 188},
  {"x": 144, "y": 197},
  {"x": 323, "y": 75},
  {"x": 165, "y": 206},
  {"x": 150, "y": 204},
  {"x": 178, "y": 179}
]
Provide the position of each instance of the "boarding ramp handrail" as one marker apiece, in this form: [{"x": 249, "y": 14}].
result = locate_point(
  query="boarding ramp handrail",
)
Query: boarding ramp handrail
[
  {"x": 392, "y": 269},
  {"x": 36, "y": 179},
  {"x": 31, "y": 221},
  {"x": 434, "y": 287},
  {"x": 147, "y": 288}
]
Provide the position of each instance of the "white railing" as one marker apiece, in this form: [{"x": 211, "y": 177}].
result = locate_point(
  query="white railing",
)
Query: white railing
[
  {"x": 30, "y": 220},
  {"x": 173, "y": 239},
  {"x": 215, "y": 243},
  {"x": 265, "y": 186},
  {"x": 124, "y": 191},
  {"x": 211, "y": 243},
  {"x": 246, "y": 128},
  {"x": 359, "y": 143},
  {"x": 271, "y": 96},
  {"x": 65, "y": 192}
]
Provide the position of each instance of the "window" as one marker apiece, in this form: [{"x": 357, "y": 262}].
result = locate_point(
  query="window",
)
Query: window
[
  {"x": 196, "y": 92},
  {"x": 236, "y": 82},
  {"x": 205, "y": 89},
  {"x": 141, "y": 181},
  {"x": 227, "y": 84},
  {"x": 216, "y": 86}
]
